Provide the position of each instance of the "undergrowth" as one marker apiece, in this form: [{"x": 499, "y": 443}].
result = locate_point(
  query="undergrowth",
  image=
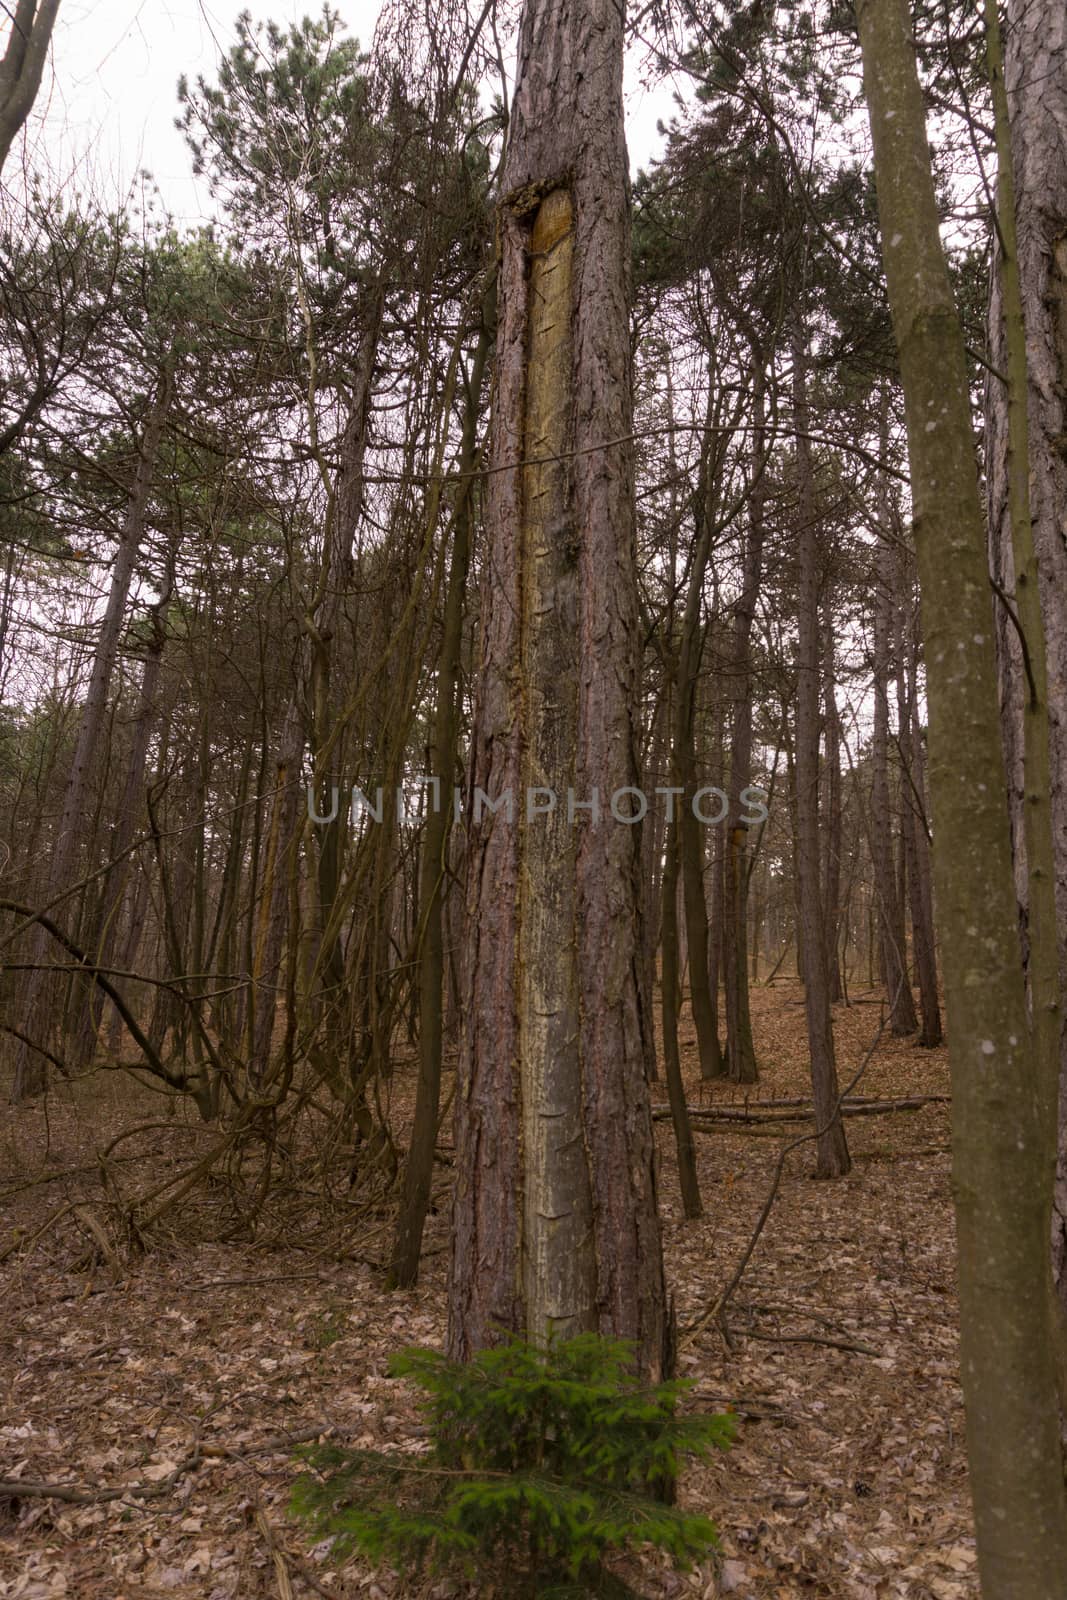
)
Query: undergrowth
[{"x": 543, "y": 1464}]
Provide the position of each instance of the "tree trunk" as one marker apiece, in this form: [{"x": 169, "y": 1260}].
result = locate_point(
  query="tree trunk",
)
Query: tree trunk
[
  {"x": 832, "y": 1159},
  {"x": 831, "y": 865},
  {"x": 418, "y": 1170},
  {"x": 23, "y": 66},
  {"x": 890, "y": 913},
  {"x": 740, "y": 1050},
  {"x": 672, "y": 1066},
  {"x": 314, "y": 692},
  {"x": 555, "y": 1220},
  {"x": 714, "y": 893},
  {"x": 1002, "y": 1174},
  {"x": 913, "y": 818},
  {"x": 113, "y": 891},
  {"x": 29, "y": 1077},
  {"x": 690, "y": 841},
  {"x": 1035, "y": 51}
]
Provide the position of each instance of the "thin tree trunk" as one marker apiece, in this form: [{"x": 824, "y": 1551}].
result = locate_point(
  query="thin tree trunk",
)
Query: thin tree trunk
[
  {"x": 314, "y": 691},
  {"x": 913, "y": 822},
  {"x": 832, "y": 1158},
  {"x": 890, "y": 913},
  {"x": 672, "y": 1066},
  {"x": 714, "y": 895},
  {"x": 418, "y": 1170},
  {"x": 831, "y": 863},
  {"x": 690, "y": 843},
  {"x": 29, "y": 1077},
  {"x": 740, "y": 1049}
]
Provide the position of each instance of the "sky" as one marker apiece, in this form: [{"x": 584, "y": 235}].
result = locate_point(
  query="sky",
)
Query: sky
[{"x": 108, "y": 103}]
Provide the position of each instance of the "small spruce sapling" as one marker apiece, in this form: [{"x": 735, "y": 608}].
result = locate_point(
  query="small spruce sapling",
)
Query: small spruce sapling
[{"x": 539, "y": 1467}]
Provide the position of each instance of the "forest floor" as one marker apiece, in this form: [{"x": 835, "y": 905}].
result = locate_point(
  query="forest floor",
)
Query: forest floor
[{"x": 178, "y": 1378}]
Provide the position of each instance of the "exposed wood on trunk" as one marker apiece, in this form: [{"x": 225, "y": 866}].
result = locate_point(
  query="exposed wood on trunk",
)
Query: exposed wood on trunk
[{"x": 558, "y": 927}]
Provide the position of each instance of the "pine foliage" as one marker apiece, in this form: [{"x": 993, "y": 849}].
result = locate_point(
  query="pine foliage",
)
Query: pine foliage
[{"x": 540, "y": 1466}]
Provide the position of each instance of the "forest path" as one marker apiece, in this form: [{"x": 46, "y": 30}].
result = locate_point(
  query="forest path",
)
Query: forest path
[{"x": 186, "y": 1370}]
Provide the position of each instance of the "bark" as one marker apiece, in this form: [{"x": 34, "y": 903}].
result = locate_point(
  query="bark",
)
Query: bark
[
  {"x": 1002, "y": 1174},
  {"x": 1035, "y": 52},
  {"x": 555, "y": 1220},
  {"x": 832, "y": 1157}
]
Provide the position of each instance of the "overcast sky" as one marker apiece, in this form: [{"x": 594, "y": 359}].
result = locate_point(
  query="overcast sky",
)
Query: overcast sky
[{"x": 108, "y": 107}]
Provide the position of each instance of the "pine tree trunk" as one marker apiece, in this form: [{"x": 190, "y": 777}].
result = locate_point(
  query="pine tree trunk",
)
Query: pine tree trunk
[{"x": 555, "y": 1221}]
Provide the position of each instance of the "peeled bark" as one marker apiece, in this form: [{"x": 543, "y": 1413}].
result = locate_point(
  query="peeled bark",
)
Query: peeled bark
[
  {"x": 555, "y": 1225},
  {"x": 1001, "y": 1168}
]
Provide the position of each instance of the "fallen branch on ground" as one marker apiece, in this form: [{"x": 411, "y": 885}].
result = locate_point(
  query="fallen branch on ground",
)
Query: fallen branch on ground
[
  {"x": 804, "y": 1111},
  {"x": 77, "y": 1494}
]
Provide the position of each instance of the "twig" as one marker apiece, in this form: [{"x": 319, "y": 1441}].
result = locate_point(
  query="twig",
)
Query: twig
[
  {"x": 21, "y": 1238},
  {"x": 810, "y": 1338},
  {"x": 249, "y": 1283},
  {"x": 277, "y": 1555}
]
